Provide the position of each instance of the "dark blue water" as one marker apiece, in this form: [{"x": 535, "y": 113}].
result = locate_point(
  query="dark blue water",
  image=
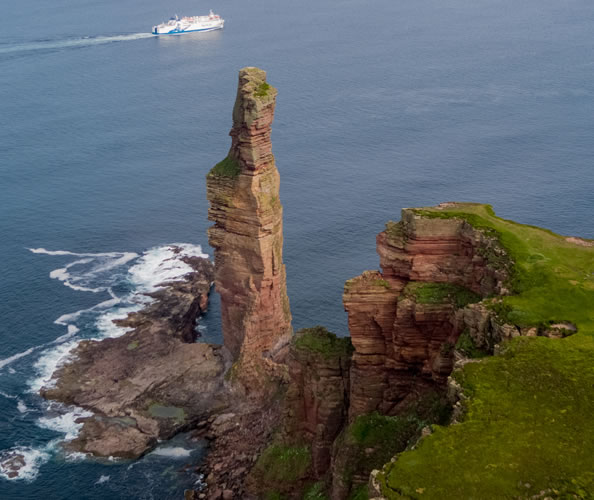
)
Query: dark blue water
[{"x": 107, "y": 135}]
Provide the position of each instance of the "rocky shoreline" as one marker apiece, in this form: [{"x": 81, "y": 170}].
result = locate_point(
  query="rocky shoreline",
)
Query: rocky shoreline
[
  {"x": 141, "y": 386},
  {"x": 312, "y": 415}
]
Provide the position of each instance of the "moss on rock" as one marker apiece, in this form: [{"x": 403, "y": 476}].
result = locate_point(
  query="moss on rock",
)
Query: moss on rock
[
  {"x": 229, "y": 167},
  {"x": 439, "y": 293},
  {"x": 320, "y": 341}
]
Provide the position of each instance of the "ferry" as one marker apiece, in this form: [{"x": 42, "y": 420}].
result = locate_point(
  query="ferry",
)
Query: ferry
[{"x": 176, "y": 26}]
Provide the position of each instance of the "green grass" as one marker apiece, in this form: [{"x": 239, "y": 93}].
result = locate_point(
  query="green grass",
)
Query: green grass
[
  {"x": 262, "y": 90},
  {"x": 359, "y": 493},
  {"x": 466, "y": 345},
  {"x": 374, "y": 429},
  {"x": 315, "y": 492},
  {"x": 552, "y": 280},
  {"x": 528, "y": 424},
  {"x": 319, "y": 340},
  {"x": 226, "y": 168},
  {"x": 283, "y": 464},
  {"x": 382, "y": 282},
  {"x": 438, "y": 293}
]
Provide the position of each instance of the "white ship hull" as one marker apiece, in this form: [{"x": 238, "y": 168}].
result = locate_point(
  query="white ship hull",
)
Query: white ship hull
[{"x": 177, "y": 26}]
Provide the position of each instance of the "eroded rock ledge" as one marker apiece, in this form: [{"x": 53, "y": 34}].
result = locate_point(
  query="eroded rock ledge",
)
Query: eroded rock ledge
[{"x": 142, "y": 386}]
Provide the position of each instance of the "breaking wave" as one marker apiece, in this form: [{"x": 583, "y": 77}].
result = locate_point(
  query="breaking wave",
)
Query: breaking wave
[
  {"x": 23, "y": 462},
  {"x": 105, "y": 272},
  {"x": 121, "y": 281}
]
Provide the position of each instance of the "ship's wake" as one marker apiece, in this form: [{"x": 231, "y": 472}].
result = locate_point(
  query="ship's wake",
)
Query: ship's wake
[{"x": 43, "y": 45}]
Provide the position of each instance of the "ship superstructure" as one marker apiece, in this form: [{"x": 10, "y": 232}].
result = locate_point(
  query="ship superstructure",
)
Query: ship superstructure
[{"x": 176, "y": 25}]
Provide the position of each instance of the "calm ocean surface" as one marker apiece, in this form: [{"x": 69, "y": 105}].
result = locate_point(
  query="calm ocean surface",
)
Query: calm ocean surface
[{"x": 107, "y": 134}]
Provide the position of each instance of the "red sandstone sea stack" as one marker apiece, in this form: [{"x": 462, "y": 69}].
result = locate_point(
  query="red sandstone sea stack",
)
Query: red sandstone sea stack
[{"x": 247, "y": 235}]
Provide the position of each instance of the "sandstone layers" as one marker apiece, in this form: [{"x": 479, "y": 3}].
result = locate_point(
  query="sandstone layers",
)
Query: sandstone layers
[
  {"x": 316, "y": 402},
  {"x": 404, "y": 342},
  {"x": 243, "y": 191},
  {"x": 151, "y": 382}
]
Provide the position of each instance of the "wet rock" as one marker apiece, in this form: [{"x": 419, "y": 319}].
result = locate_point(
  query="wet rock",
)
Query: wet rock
[{"x": 142, "y": 386}]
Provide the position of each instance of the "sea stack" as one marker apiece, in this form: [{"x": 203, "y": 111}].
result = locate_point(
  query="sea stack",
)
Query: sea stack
[{"x": 247, "y": 235}]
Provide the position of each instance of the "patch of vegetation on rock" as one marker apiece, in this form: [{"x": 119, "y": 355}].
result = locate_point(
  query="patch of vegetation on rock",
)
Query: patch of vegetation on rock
[
  {"x": 466, "y": 345},
  {"x": 315, "y": 492},
  {"x": 394, "y": 230},
  {"x": 229, "y": 167},
  {"x": 319, "y": 340},
  {"x": 382, "y": 282},
  {"x": 439, "y": 293},
  {"x": 262, "y": 90},
  {"x": 281, "y": 465},
  {"x": 359, "y": 493}
]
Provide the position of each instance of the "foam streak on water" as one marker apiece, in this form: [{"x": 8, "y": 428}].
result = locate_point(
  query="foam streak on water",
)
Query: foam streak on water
[{"x": 71, "y": 43}]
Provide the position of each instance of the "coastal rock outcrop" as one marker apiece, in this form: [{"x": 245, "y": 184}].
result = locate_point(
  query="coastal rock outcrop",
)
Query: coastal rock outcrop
[
  {"x": 142, "y": 386},
  {"x": 243, "y": 191},
  {"x": 405, "y": 321}
]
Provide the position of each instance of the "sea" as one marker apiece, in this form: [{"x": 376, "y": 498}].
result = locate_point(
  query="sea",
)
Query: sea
[{"x": 108, "y": 132}]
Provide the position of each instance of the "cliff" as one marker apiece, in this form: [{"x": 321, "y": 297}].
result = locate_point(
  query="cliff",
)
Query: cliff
[
  {"x": 523, "y": 426},
  {"x": 405, "y": 321},
  {"x": 314, "y": 413},
  {"x": 243, "y": 191},
  {"x": 468, "y": 310}
]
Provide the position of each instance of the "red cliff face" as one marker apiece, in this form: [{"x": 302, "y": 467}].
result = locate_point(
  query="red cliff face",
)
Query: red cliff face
[
  {"x": 243, "y": 191},
  {"x": 316, "y": 403},
  {"x": 405, "y": 321}
]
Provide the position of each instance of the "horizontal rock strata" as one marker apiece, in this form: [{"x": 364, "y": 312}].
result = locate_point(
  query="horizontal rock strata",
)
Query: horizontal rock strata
[
  {"x": 316, "y": 403},
  {"x": 405, "y": 320},
  {"x": 243, "y": 191}
]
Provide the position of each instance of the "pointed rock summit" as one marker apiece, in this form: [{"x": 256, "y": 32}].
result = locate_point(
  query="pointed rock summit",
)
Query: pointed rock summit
[{"x": 247, "y": 235}]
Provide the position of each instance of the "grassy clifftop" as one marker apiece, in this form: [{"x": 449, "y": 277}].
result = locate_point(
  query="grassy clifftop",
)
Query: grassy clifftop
[{"x": 528, "y": 430}]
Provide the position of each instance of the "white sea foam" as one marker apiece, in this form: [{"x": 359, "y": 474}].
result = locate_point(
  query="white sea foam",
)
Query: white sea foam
[
  {"x": 62, "y": 274},
  {"x": 76, "y": 456},
  {"x": 24, "y": 460},
  {"x": 102, "y": 479},
  {"x": 7, "y": 361},
  {"x": 72, "y": 43},
  {"x": 108, "y": 328},
  {"x": 66, "y": 319},
  {"x": 62, "y": 418},
  {"x": 71, "y": 332},
  {"x": 82, "y": 274},
  {"x": 100, "y": 272},
  {"x": 48, "y": 363},
  {"x": 162, "y": 264},
  {"x": 172, "y": 452},
  {"x": 22, "y": 407}
]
